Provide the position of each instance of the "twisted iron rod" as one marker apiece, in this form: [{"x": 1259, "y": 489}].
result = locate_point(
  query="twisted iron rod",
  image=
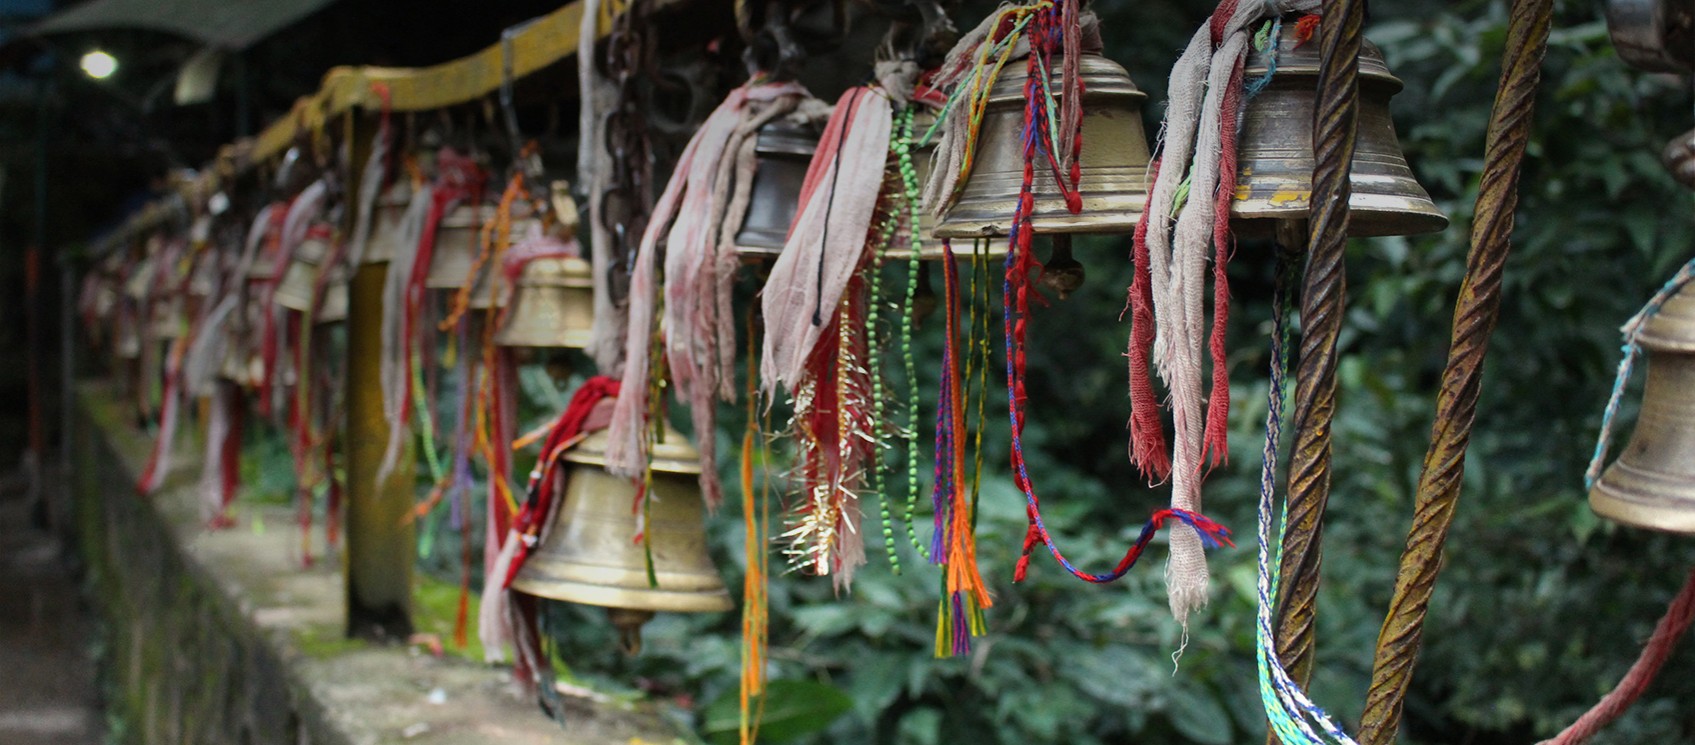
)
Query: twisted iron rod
[
  {"x": 1476, "y": 311},
  {"x": 1323, "y": 294}
]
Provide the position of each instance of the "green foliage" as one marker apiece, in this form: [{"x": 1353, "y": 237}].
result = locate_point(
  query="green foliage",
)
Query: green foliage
[{"x": 1540, "y": 607}]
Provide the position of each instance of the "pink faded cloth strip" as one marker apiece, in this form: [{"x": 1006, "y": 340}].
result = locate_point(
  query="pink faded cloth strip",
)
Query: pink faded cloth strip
[
  {"x": 683, "y": 215},
  {"x": 827, "y": 241}
]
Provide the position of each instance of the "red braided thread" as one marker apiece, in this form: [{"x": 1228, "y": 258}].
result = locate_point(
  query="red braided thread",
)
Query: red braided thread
[{"x": 1654, "y": 654}]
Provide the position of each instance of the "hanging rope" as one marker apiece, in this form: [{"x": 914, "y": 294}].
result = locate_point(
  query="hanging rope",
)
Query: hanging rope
[
  {"x": 1323, "y": 292},
  {"x": 1293, "y": 716},
  {"x": 1671, "y": 627},
  {"x": 1475, "y": 315},
  {"x": 1632, "y": 329}
]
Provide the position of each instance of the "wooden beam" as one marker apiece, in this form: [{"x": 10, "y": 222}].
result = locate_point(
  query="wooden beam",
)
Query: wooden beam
[{"x": 539, "y": 43}]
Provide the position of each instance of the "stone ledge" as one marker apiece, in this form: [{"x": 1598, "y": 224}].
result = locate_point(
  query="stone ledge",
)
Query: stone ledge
[{"x": 222, "y": 637}]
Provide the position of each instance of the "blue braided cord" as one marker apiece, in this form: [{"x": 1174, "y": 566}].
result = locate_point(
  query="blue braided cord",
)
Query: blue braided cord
[
  {"x": 1289, "y": 710},
  {"x": 1631, "y": 330},
  {"x": 1258, "y": 84}
]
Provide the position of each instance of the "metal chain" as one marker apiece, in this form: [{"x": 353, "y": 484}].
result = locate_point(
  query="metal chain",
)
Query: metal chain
[{"x": 628, "y": 198}]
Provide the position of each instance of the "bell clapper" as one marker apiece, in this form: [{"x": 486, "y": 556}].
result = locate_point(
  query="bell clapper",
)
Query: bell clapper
[
  {"x": 1292, "y": 236},
  {"x": 1062, "y": 273},
  {"x": 629, "y": 622}
]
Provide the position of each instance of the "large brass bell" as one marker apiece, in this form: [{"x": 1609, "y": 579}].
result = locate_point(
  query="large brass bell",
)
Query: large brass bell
[
  {"x": 459, "y": 241},
  {"x": 386, "y": 218},
  {"x": 551, "y": 306},
  {"x": 1113, "y": 183},
  {"x": 298, "y": 286},
  {"x": 930, "y": 245},
  {"x": 1652, "y": 484},
  {"x": 1275, "y": 151},
  {"x": 783, "y": 149},
  {"x": 587, "y": 556}
]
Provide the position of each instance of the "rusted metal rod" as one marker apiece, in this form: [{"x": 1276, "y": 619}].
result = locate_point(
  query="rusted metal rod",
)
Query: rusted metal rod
[
  {"x": 1475, "y": 313},
  {"x": 1323, "y": 303}
]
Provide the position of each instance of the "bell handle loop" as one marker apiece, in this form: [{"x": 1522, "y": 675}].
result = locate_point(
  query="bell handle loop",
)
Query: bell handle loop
[{"x": 1631, "y": 330}]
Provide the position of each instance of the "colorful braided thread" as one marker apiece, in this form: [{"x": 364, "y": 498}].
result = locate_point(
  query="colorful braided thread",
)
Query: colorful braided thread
[
  {"x": 1290, "y": 711},
  {"x": 1037, "y": 139}
]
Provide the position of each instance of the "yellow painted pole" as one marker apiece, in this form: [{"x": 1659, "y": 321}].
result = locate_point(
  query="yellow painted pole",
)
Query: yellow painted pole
[{"x": 381, "y": 541}]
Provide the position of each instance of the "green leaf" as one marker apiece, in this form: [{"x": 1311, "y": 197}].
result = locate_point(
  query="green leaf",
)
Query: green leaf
[
  {"x": 792, "y": 708},
  {"x": 1198, "y": 715}
]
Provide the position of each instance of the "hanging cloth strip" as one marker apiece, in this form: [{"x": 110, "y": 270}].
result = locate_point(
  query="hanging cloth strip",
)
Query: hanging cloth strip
[
  {"x": 1186, "y": 220},
  {"x": 692, "y": 219},
  {"x": 500, "y": 621},
  {"x": 814, "y": 305},
  {"x": 168, "y": 282},
  {"x": 1037, "y": 31},
  {"x": 372, "y": 179},
  {"x": 459, "y": 179}
]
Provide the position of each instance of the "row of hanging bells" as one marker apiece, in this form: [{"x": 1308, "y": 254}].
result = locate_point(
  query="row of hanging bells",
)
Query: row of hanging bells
[{"x": 1275, "y": 155}]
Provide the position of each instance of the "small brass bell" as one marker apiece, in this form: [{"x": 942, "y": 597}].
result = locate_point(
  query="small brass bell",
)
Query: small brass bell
[
  {"x": 1652, "y": 484},
  {"x": 551, "y": 306},
  {"x": 298, "y": 286},
  {"x": 784, "y": 150},
  {"x": 930, "y": 246},
  {"x": 126, "y": 343},
  {"x": 170, "y": 318},
  {"x": 1275, "y": 151},
  {"x": 386, "y": 218},
  {"x": 459, "y": 241},
  {"x": 587, "y": 556},
  {"x": 1114, "y": 179}
]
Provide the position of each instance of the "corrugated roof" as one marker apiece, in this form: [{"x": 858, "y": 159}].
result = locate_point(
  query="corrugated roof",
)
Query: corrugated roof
[{"x": 232, "y": 24}]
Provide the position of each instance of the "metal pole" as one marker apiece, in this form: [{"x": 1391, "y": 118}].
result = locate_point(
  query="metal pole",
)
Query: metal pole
[{"x": 381, "y": 540}]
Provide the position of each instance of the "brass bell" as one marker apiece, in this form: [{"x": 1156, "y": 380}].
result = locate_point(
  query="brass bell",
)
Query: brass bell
[
  {"x": 459, "y": 241},
  {"x": 1652, "y": 484},
  {"x": 299, "y": 282},
  {"x": 783, "y": 150},
  {"x": 1275, "y": 151},
  {"x": 386, "y": 218},
  {"x": 126, "y": 343},
  {"x": 1114, "y": 179},
  {"x": 588, "y": 555},
  {"x": 930, "y": 245},
  {"x": 551, "y": 306},
  {"x": 170, "y": 318}
]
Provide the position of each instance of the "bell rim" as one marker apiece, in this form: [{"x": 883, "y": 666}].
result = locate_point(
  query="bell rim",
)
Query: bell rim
[
  {"x": 573, "y": 339},
  {"x": 658, "y": 600},
  {"x": 1666, "y": 512}
]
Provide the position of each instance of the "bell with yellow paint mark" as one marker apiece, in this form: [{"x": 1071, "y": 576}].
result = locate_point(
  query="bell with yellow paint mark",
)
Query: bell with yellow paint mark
[
  {"x": 1275, "y": 154},
  {"x": 589, "y": 554},
  {"x": 1652, "y": 484}
]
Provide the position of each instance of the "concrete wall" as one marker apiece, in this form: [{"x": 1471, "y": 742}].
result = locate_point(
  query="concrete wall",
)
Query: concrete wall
[{"x": 221, "y": 637}]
